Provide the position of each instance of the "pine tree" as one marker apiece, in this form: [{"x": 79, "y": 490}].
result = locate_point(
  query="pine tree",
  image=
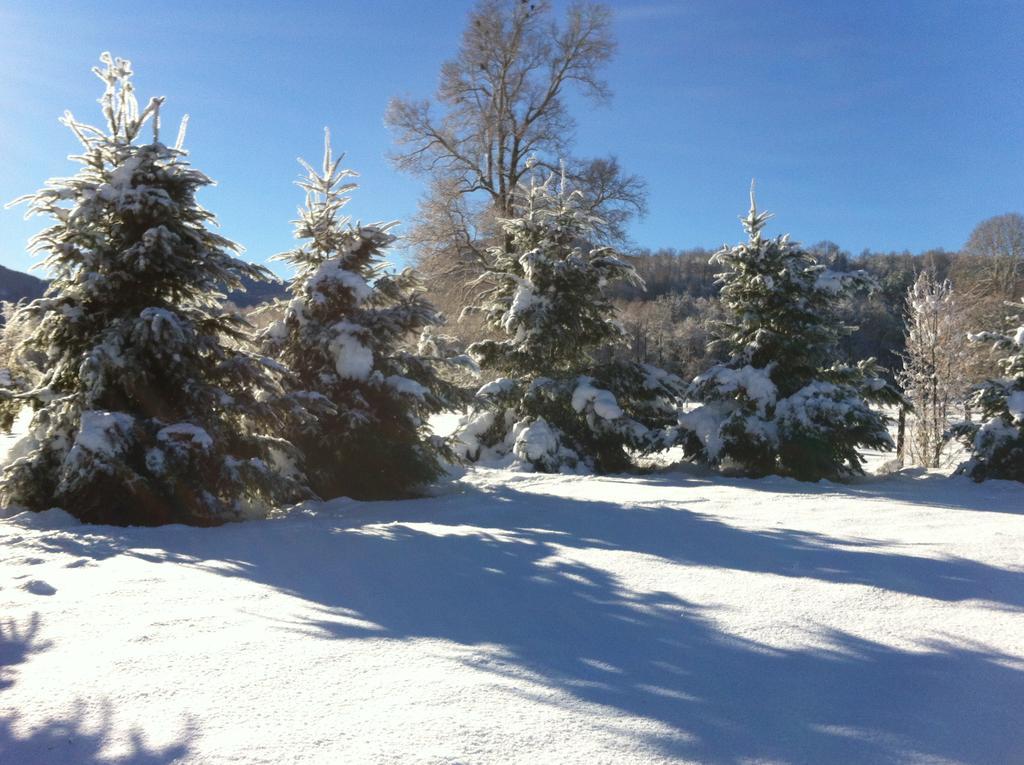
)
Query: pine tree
[
  {"x": 783, "y": 402},
  {"x": 558, "y": 403},
  {"x": 933, "y": 377},
  {"x": 363, "y": 401},
  {"x": 147, "y": 412},
  {"x": 997, "y": 444}
]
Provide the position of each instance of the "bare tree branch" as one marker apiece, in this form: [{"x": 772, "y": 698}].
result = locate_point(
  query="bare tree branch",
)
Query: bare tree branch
[{"x": 500, "y": 109}]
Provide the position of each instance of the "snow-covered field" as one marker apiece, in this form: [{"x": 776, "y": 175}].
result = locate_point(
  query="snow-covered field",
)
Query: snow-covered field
[{"x": 519, "y": 618}]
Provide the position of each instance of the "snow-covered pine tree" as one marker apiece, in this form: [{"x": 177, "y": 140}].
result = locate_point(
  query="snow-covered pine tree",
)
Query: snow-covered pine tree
[
  {"x": 559, "y": 404},
  {"x": 365, "y": 398},
  {"x": 783, "y": 402},
  {"x": 144, "y": 414},
  {"x": 997, "y": 444},
  {"x": 933, "y": 377}
]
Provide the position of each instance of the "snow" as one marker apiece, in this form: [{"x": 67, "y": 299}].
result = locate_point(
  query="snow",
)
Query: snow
[
  {"x": 469, "y": 430},
  {"x": 185, "y": 433},
  {"x": 118, "y": 188},
  {"x": 993, "y": 434},
  {"x": 524, "y": 301},
  {"x": 297, "y": 310},
  {"x": 706, "y": 422},
  {"x": 831, "y": 281},
  {"x": 278, "y": 330},
  {"x": 1015, "y": 406},
  {"x": 405, "y": 386},
  {"x": 756, "y": 383},
  {"x": 20, "y": 441},
  {"x": 523, "y": 618},
  {"x": 332, "y": 272},
  {"x": 101, "y": 433},
  {"x": 812, "y": 404},
  {"x": 655, "y": 376},
  {"x": 534, "y": 441},
  {"x": 444, "y": 423},
  {"x": 875, "y": 383},
  {"x": 603, "y": 401},
  {"x": 352, "y": 359},
  {"x": 496, "y": 387},
  {"x": 156, "y": 461}
]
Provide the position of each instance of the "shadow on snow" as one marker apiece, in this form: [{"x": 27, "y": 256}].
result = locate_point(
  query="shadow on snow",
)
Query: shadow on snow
[
  {"x": 79, "y": 738},
  {"x": 912, "y": 486},
  {"x": 433, "y": 573}
]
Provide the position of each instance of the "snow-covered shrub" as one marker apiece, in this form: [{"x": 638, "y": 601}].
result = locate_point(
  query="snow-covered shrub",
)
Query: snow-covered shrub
[
  {"x": 143, "y": 414},
  {"x": 556, "y": 403},
  {"x": 783, "y": 403},
  {"x": 360, "y": 400},
  {"x": 997, "y": 443}
]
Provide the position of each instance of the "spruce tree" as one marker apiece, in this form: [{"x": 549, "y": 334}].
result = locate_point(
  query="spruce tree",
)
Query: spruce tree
[
  {"x": 997, "y": 443},
  {"x": 147, "y": 410},
  {"x": 559, "y": 402},
  {"x": 361, "y": 398},
  {"x": 783, "y": 402}
]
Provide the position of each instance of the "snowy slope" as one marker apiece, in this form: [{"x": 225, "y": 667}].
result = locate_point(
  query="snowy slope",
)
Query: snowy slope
[{"x": 530, "y": 619}]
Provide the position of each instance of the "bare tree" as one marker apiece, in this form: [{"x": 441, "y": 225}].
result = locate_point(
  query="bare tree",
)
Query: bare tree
[
  {"x": 499, "y": 115},
  {"x": 20, "y": 365},
  {"x": 935, "y": 374},
  {"x": 999, "y": 242}
]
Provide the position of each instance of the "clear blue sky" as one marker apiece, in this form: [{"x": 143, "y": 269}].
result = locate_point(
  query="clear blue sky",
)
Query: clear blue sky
[{"x": 892, "y": 125}]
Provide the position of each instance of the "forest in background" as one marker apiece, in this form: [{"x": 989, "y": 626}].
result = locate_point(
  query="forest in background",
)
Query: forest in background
[{"x": 669, "y": 322}]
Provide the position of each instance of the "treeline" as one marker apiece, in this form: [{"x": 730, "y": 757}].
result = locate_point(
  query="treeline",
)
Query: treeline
[{"x": 669, "y": 319}]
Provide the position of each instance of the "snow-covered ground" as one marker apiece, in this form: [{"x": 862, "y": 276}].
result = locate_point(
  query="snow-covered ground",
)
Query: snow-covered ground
[
  {"x": 514, "y": 618},
  {"x": 7, "y": 440}
]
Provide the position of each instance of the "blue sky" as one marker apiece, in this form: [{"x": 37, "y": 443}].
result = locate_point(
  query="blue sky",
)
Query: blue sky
[{"x": 891, "y": 125}]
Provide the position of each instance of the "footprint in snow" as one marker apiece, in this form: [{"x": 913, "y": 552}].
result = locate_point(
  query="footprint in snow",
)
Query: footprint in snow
[{"x": 39, "y": 587}]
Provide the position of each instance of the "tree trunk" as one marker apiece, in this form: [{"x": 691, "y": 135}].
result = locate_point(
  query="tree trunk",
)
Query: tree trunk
[{"x": 901, "y": 436}]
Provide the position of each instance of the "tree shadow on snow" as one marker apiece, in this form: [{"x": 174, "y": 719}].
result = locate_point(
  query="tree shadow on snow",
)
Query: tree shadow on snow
[
  {"x": 426, "y": 570},
  {"x": 693, "y": 538},
  {"x": 17, "y": 643},
  {"x": 912, "y": 486},
  {"x": 577, "y": 629},
  {"x": 79, "y": 738},
  {"x": 83, "y": 740}
]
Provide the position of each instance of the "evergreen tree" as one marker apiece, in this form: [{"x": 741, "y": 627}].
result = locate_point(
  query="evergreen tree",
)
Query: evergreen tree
[
  {"x": 783, "y": 402},
  {"x": 997, "y": 444},
  {"x": 559, "y": 404},
  {"x": 147, "y": 411},
  {"x": 933, "y": 378},
  {"x": 362, "y": 401}
]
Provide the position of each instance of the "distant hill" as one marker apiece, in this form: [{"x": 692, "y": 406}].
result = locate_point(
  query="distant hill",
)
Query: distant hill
[
  {"x": 257, "y": 292},
  {"x": 15, "y": 286}
]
